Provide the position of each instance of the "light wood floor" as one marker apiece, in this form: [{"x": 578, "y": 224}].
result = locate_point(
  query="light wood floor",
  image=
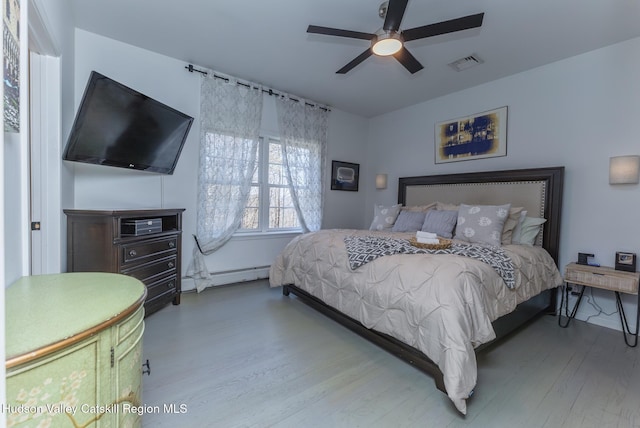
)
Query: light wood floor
[{"x": 245, "y": 356}]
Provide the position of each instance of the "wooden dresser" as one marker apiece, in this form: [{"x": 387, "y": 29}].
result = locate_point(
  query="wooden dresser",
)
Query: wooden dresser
[
  {"x": 74, "y": 350},
  {"x": 144, "y": 244}
]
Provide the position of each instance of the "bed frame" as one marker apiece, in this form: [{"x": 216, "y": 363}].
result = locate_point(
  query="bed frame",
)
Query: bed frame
[{"x": 539, "y": 190}]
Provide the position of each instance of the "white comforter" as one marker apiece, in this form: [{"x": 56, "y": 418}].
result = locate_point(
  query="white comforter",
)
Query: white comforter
[{"x": 442, "y": 305}]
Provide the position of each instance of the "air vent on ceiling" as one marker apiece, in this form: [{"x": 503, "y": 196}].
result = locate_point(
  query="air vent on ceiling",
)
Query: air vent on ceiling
[{"x": 466, "y": 62}]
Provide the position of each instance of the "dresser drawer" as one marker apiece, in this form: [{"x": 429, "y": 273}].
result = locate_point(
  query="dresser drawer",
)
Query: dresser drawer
[
  {"x": 150, "y": 306},
  {"x": 158, "y": 288},
  {"x": 153, "y": 270},
  {"x": 138, "y": 251}
]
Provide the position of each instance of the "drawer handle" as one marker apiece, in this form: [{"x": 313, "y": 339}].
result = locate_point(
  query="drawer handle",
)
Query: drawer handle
[
  {"x": 170, "y": 264},
  {"x": 146, "y": 371},
  {"x": 133, "y": 253},
  {"x": 172, "y": 244},
  {"x": 170, "y": 284}
]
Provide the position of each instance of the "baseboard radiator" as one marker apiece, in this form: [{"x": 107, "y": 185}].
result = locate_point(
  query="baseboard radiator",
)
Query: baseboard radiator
[{"x": 240, "y": 275}]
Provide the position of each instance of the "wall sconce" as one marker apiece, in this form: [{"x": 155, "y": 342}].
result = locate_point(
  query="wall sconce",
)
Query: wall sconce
[
  {"x": 381, "y": 181},
  {"x": 624, "y": 169}
]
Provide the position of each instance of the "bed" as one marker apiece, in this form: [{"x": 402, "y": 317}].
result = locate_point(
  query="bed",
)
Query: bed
[{"x": 436, "y": 309}]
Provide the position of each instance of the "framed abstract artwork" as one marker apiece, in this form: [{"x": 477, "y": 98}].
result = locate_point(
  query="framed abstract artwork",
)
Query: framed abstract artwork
[
  {"x": 479, "y": 136},
  {"x": 344, "y": 176}
]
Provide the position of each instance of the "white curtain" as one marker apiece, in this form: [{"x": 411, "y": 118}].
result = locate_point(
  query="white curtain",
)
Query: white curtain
[
  {"x": 303, "y": 134},
  {"x": 230, "y": 116}
]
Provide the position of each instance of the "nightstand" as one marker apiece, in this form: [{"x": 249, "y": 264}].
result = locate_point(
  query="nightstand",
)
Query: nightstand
[{"x": 605, "y": 278}]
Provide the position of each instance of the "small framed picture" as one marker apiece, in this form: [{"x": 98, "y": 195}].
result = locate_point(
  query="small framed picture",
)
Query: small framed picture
[
  {"x": 625, "y": 261},
  {"x": 345, "y": 176}
]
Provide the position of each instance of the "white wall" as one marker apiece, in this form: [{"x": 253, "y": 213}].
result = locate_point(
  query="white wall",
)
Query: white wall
[
  {"x": 166, "y": 80},
  {"x": 347, "y": 143},
  {"x": 14, "y": 212},
  {"x": 577, "y": 112},
  {"x": 15, "y": 171}
]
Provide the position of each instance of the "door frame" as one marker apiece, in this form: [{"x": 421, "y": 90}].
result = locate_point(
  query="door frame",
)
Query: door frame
[{"x": 45, "y": 164}]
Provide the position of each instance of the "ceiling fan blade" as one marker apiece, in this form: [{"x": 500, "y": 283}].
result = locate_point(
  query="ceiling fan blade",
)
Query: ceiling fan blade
[
  {"x": 340, "y": 33},
  {"x": 444, "y": 27},
  {"x": 395, "y": 12},
  {"x": 357, "y": 60},
  {"x": 410, "y": 62}
]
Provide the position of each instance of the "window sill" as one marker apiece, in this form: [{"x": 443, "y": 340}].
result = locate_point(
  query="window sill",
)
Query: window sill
[{"x": 248, "y": 236}]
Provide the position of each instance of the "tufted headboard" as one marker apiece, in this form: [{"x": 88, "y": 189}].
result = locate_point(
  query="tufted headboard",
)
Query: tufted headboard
[{"x": 538, "y": 190}]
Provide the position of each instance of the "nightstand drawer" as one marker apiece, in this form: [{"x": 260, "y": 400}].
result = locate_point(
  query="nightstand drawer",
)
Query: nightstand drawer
[{"x": 602, "y": 277}]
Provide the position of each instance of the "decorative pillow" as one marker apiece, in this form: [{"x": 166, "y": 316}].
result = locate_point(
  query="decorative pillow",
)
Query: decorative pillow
[
  {"x": 529, "y": 230},
  {"x": 423, "y": 208},
  {"x": 510, "y": 224},
  {"x": 408, "y": 221},
  {"x": 515, "y": 237},
  {"x": 384, "y": 216},
  {"x": 441, "y": 223},
  {"x": 482, "y": 224}
]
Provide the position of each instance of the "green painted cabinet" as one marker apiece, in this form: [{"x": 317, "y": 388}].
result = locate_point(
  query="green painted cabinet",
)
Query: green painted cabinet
[{"x": 74, "y": 350}]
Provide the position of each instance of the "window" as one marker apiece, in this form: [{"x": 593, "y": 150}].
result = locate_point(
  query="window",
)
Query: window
[{"x": 269, "y": 207}]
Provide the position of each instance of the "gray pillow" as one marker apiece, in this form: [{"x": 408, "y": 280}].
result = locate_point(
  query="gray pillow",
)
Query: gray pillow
[
  {"x": 408, "y": 221},
  {"x": 384, "y": 216},
  {"x": 482, "y": 224},
  {"x": 529, "y": 230},
  {"x": 441, "y": 223}
]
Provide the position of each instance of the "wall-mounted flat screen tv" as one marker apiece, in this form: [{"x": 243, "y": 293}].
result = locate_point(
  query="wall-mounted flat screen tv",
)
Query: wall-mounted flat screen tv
[{"x": 118, "y": 126}]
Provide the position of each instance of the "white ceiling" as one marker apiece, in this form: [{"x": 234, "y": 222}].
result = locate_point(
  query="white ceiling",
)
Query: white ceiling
[{"x": 266, "y": 41}]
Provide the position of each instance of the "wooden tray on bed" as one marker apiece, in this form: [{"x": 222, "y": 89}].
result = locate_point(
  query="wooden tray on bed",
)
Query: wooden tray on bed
[{"x": 443, "y": 245}]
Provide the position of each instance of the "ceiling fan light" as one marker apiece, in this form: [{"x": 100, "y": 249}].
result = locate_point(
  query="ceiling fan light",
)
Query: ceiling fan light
[{"x": 387, "y": 44}]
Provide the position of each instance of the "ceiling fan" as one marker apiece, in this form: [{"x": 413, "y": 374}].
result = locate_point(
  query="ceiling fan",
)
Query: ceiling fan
[{"x": 390, "y": 40}]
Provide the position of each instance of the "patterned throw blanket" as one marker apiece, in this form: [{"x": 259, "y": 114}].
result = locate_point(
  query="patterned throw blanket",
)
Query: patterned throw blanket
[{"x": 364, "y": 249}]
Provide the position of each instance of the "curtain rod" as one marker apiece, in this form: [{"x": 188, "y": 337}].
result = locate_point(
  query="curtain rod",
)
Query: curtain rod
[{"x": 269, "y": 91}]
